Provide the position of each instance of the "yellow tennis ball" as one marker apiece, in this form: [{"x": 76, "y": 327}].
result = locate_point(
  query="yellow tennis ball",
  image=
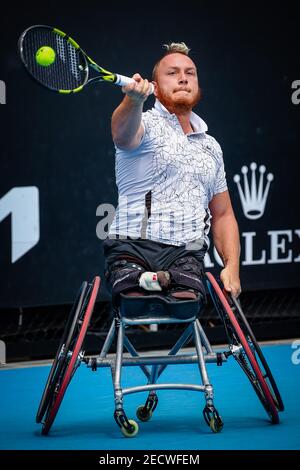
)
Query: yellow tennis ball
[{"x": 45, "y": 56}]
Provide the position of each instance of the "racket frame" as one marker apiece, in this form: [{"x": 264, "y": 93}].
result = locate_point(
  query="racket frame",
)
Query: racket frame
[{"x": 104, "y": 75}]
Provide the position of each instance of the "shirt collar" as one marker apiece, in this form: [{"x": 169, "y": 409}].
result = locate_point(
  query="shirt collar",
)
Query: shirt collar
[{"x": 197, "y": 123}]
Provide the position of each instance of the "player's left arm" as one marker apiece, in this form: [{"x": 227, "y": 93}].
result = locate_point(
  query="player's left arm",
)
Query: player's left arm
[{"x": 226, "y": 240}]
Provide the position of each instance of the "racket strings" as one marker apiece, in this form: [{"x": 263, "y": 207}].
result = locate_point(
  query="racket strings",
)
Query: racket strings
[
  {"x": 74, "y": 63},
  {"x": 67, "y": 71}
]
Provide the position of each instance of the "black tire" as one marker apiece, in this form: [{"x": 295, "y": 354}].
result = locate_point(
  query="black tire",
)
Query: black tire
[
  {"x": 242, "y": 348},
  {"x": 60, "y": 358},
  {"x": 237, "y": 309},
  {"x": 73, "y": 355},
  {"x": 68, "y": 357}
]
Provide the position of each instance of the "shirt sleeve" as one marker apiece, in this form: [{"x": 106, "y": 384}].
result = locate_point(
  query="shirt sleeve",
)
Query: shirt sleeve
[{"x": 220, "y": 181}]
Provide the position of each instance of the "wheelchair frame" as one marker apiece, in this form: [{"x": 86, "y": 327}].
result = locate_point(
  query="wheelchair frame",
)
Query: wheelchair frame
[{"x": 242, "y": 345}]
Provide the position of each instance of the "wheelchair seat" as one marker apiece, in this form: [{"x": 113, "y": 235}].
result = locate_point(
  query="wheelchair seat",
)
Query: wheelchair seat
[{"x": 158, "y": 308}]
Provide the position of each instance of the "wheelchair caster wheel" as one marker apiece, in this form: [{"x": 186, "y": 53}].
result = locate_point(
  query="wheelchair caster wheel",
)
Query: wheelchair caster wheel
[
  {"x": 216, "y": 424},
  {"x": 143, "y": 414},
  {"x": 212, "y": 418},
  {"x": 132, "y": 431}
]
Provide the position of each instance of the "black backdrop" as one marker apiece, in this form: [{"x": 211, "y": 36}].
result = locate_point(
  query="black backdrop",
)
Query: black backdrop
[{"x": 247, "y": 61}]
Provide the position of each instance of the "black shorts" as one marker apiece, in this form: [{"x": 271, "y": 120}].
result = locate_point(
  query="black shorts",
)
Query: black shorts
[{"x": 127, "y": 259}]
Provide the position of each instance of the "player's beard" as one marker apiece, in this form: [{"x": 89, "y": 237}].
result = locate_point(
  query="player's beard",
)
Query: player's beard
[{"x": 185, "y": 104}]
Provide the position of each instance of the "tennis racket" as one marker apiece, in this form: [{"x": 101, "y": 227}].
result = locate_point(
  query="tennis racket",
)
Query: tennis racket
[{"x": 56, "y": 61}]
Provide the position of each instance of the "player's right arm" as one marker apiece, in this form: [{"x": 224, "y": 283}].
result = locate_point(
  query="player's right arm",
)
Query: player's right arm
[{"x": 126, "y": 123}]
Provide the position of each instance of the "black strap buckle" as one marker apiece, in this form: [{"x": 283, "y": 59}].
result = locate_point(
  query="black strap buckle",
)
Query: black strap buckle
[{"x": 219, "y": 359}]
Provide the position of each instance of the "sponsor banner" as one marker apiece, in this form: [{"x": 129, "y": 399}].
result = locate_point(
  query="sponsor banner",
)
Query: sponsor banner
[{"x": 57, "y": 184}]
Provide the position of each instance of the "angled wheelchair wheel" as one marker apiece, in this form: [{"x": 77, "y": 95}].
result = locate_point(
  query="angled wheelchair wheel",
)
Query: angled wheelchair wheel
[
  {"x": 61, "y": 353},
  {"x": 69, "y": 355},
  {"x": 245, "y": 349},
  {"x": 267, "y": 374}
]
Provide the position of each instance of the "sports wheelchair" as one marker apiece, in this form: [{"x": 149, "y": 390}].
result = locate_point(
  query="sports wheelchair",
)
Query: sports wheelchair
[{"x": 157, "y": 309}]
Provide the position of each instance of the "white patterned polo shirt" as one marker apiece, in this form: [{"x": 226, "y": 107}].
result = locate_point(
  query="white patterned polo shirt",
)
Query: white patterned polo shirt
[{"x": 167, "y": 182}]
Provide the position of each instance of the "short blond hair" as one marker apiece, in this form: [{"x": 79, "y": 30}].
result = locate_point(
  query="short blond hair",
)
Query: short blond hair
[
  {"x": 171, "y": 48},
  {"x": 180, "y": 47}
]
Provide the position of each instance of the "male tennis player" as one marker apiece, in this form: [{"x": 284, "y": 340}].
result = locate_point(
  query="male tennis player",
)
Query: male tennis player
[{"x": 171, "y": 182}]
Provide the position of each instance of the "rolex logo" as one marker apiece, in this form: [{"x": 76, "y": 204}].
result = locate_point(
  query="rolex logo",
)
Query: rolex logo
[{"x": 254, "y": 195}]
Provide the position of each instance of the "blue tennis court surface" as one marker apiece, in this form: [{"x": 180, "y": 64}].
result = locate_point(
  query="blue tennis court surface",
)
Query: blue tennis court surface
[{"x": 85, "y": 419}]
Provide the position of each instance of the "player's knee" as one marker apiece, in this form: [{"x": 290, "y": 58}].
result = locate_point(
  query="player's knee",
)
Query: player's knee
[
  {"x": 184, "y": 294},
  {"x": 122, "y": 277}
]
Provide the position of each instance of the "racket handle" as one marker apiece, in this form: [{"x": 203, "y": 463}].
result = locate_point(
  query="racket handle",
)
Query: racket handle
[{"x": 123, "y": 81}]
